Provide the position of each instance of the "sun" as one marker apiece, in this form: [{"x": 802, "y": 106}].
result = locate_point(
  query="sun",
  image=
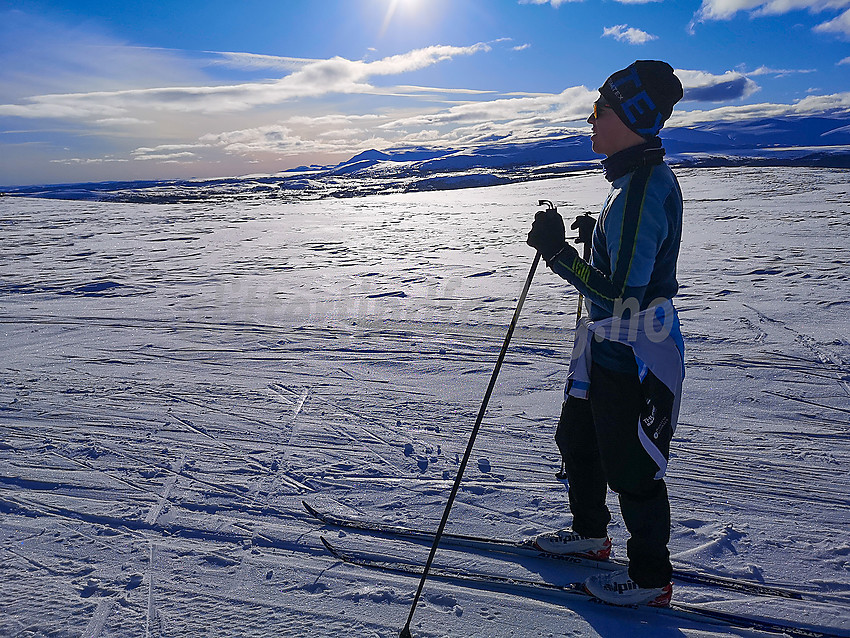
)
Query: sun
[
  {"x": 405, "y": 3},
  {"x": 393, "y": 7}
]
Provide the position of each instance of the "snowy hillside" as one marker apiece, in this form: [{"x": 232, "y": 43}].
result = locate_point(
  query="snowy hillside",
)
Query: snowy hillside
[
  {"x": 807, "y": 142},
  {"x": 177, "y": 378}
]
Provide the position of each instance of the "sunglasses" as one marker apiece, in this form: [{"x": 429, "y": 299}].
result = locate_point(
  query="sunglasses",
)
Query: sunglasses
[{"x": 598, "y": 106}]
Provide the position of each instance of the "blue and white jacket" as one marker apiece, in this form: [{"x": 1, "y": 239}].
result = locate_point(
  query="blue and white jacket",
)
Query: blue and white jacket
[{"x": 635, "y": 245}]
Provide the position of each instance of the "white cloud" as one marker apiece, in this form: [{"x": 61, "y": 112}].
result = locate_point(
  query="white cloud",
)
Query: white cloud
[
  {"x": 821, "y": 103},
  {"x": 725, "y": 9},
  {"x": 164, "y": 147},
  {"x": 256, "y": 61},
  {"x": 88, "y": 160},
  {"x": 840, "y": 25},
  {"x": 409, "y": 89},
  {"x": 571, "y": 104},
  {"x": 625, "y": 33},
  {"x": 166, "y": 156},
  {"x": 701, "y": 86},
  {"x": 336, "y": 75},
  {"x": 344, "y": 133},
  {"x": 335, "y": 120},
  {"x": 60, "y": 107},
  {"x": 810, "y": 106},
  {"x": 168, "y": 153},
  {"x": 42, "y": 57},
  {"x": 123, "y": 121},
  {"x": 844, "y": 61},
  {"x": 778, "y": 7},
  {"x": 521, "y": 47},
  {"x": 765, "y": 70},
  {"x": 280, "y": 139},
  {"x": 467, "y": 123},
  {"x": 415, "y": 60}
]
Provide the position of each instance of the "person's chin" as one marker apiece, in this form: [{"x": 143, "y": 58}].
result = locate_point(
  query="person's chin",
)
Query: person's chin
[{"x": 594, "y": 144}]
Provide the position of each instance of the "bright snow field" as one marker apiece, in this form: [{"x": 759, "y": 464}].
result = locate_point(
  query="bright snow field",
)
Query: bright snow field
[{"x": 177, "y": 378}]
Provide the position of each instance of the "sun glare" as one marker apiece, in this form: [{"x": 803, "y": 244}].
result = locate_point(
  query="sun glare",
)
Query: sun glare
[{"x": 393, "y": 7}]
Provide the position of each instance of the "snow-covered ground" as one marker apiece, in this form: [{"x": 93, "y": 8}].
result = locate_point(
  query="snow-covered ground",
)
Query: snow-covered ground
[{"x": 177, "y": 378}]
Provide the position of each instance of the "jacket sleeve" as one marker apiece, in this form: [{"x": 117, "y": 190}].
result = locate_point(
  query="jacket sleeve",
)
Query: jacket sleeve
[{"x": 634, "y": 228}]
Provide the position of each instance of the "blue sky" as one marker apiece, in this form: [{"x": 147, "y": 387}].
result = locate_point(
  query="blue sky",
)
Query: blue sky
[{"x": 96, "y": 91}]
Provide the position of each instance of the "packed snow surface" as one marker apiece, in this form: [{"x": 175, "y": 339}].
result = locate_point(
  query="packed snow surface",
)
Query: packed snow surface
[{"x": 177, "y": 378}]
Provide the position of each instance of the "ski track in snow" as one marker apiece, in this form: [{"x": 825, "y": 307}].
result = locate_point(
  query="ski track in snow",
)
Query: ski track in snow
[{"x": 176, "y": 378}]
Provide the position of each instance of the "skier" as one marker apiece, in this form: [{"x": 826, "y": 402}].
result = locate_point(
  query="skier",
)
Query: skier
[{"x": 627, "y": 362}]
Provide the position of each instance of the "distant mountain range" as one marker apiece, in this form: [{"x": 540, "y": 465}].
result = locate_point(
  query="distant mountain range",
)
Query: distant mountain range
[{"x": 803, "y": 141}]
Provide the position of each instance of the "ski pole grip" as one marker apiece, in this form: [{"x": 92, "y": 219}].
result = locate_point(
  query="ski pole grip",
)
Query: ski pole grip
[{"x": 584, "y": 224}]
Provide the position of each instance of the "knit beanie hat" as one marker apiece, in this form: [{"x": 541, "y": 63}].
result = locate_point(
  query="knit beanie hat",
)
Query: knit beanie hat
[{"x": 643, "y": 94}]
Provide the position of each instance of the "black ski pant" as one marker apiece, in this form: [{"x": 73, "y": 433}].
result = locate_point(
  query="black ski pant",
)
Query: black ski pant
[{"x": 599, "y": 442}]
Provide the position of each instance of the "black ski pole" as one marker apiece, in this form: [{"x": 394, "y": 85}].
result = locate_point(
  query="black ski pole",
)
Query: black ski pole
[{"x": 405, "y": 632}]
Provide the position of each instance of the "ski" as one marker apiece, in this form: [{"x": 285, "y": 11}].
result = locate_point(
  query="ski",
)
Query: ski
[
  {"x": 526, "y": 548},
  {"x": 517, "y": 586}
]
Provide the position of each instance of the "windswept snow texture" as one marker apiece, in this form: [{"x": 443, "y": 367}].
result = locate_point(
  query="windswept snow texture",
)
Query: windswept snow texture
[{"x": 177, "y": 378}]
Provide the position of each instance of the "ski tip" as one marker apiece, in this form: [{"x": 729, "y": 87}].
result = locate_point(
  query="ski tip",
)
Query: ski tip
[
  {"x": 333, "y": 550},
  {"x": 312, "y": 511}
]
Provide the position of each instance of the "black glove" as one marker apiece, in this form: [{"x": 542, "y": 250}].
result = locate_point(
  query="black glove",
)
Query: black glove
[
  {"x": 584, "y": 224},
  {"x": 547, "y": 233}
]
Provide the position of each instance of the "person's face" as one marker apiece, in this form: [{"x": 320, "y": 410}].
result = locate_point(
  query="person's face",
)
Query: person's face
[{"x": 610, "y": 134}]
